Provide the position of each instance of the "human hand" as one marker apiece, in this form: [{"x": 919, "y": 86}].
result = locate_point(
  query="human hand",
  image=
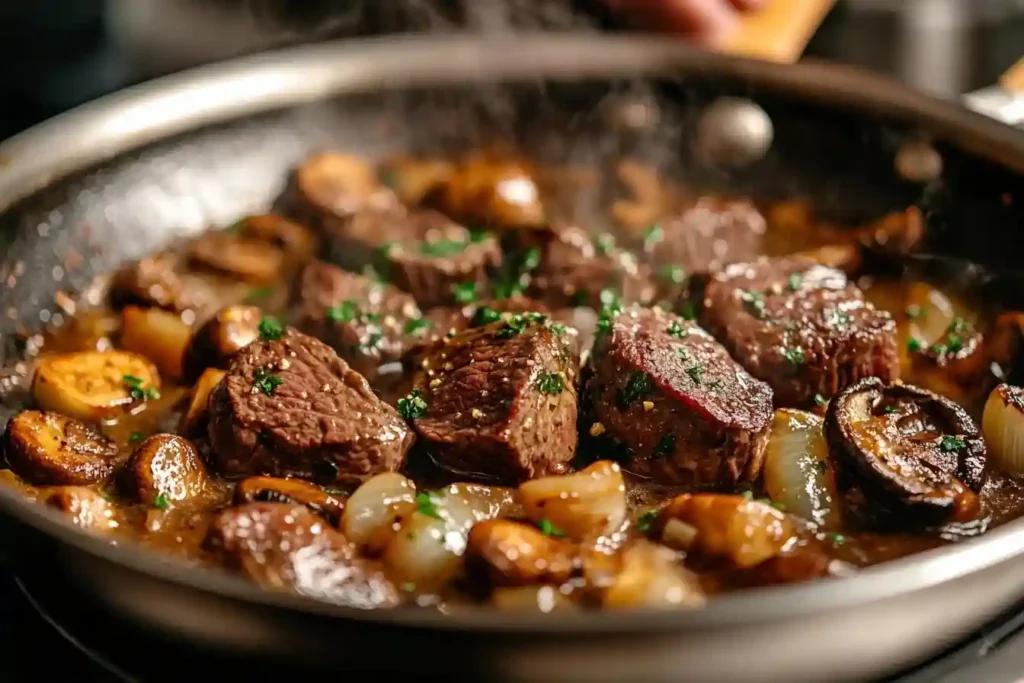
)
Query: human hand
[{"x": 705, "y": 21}]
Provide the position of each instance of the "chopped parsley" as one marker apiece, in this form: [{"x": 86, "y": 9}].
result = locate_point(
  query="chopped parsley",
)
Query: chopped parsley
[
  {"x": 270, "y": 328},
  {"x": 263, "y": 381},
  {"x": 161, "y": 502},
  {"x": 682, "y": 353},
  {"x": 465, "y": 292},
  {"x": 513, "y": 326},
  {"x": 753, "y": 302},
  {"x": 646, "y": 520},
  {"x": 135, "y": 437},
  {"x": 344, "y": 312},
  {"x": 665, "y": 446},
  {"x": 796, "y": 280},
  {"x": 836, "y": 539},
  {"x": 136, "y": 390},
  {"x": 477, "y": 236},
  {"x": 952, "y": 444},
  {"x": 889, "y": 410},
  {"x": 610, "y": 298},
  {"x": 412, "y": 406},
  {"x": 558, "y": 329},
  {"x": 913, "y": 312},
  {"x": 531, "y": 260},
  {"x": 674, "y": 274},
  {"x": 913, "y": 345},
  {"x": 604, "y": 243},
  {"x": 416, "y": 325},
  {"x": 819, "y": 400},
  {"x": 695, "y": 372},
  {"x": 259, "y": 294},
  {"x": 549, "y": 529},
  {"x": 551, "y": 383},
  {"x": 687, "y": 311},
  {"x": 425, "y": 505},
  {"x": 954, "y": 337},
  {"x": 442, "y": 248},
  {"x": 676, "y": 330},
  {"x": 484, "y": 315},
  {"x": 652, "y": 235},
  {"x": 794, "y": 355},
  {"x": 638, "y": 385}
]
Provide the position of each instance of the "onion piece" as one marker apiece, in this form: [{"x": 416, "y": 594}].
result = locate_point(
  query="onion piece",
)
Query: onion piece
[
  {"x": 375, "y": 511},
  {"x": 1003, "y": 427},
  {"x": 588, "y": 503},
  {"x": 651, "y": 576},
  {"x": 543, "y": 599},
  {"x": 797, "y": 473}
]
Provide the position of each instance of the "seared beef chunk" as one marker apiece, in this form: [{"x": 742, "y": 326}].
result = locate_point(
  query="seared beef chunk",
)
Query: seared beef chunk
[
  {"x": 163, "y": 281},
  {"x": 498, "y": 402},
  {"x": 905, "y": 455},
  {"x": 706, "y": 236},
  {"x": 219, "y": 339},
  {"x": 290, "y": 406},
  {"x": 50, "y": 448},
  {"x": 366, "y": 322},
  {"x": 423, "y": 252},
  {"x": 574, "y": 270},
  {"x": 328, "y": 188},
  {"x": 685, "y": 412},
  {"x": 287, "y": 547},
  {"x": 800, "y": 326}
]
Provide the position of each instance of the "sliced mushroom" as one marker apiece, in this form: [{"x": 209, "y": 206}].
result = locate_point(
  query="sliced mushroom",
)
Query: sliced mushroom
[
  {"x": 906, "y": 450},
  {"x": 412, "y": 179},
  {"x": 724, "y": 528},
  {"x": 296, "y": 241},
  {"x": 334, "y": 186},
  {"x": 195, "y": 419},
  {"x": 292, "y": 491},
  {"x": 48, "y": 448},
  {"x": 502, "y": 552},
  {"x": 248, "y": 259},
  {"x": 167, "y": 469},
  {"x": 491, "y": 192},
  {"x": 94, "y": 385},
  {"x": 84, "y": 507},
  {"x": 156, "y": 334},
  {"x": 217, "y": 340}
]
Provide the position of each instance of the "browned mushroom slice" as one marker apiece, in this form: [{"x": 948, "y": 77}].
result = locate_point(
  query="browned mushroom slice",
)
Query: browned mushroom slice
[
  {"x": 194, "y": 421},
  {"x": 501, "y": 552},
  {"x": 167, "y": 469},
  {"x": 331, "y": 187},
  {"x": 900, "y": 448},
  {"x": 50, "y": 448},
  {"x": 293, "y": 491},
  {"x": 152, "y": 281},
  {"x": 296, "y": 241},
  {"x": 84, "y": 507},
  {"x": 250, "y": 260},
  {"x": 491, "y": 192},
  {"x": 220, "y": 338}
]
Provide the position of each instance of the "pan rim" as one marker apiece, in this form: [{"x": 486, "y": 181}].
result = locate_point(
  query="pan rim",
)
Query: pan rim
[{"x": 175, "y": 104}]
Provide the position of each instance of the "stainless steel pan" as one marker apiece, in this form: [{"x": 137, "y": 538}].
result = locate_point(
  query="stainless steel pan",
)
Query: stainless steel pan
[{"x": 119, "y": 177}]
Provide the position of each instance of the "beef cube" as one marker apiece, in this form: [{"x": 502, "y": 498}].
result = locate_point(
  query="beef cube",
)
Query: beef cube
[
  {"x": 574, "y": 269},
  {"x": 364, "y": 321},
  {"x": 498, "y": 402},
  {"x": 289, "y": 406},
  {"x": 800, "y": 326},
  {"x": 672, "y": 401},
  {"x": 286, "y": 547},
  {"x": 423, "y": 252}
]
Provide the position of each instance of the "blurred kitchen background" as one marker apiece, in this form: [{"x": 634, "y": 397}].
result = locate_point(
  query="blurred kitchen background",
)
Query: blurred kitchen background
[{"x": 57, "y": 54}]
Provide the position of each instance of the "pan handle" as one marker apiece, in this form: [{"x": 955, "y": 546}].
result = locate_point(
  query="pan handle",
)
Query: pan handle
[{"x": 1005, "y": 101}]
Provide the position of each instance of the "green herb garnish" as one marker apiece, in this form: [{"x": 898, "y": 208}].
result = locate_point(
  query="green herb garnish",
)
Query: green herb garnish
[
  {"x": 638, "y": 385},
  {"x": 549, "y": 529},
  {"x": 652, "y": 235},
  {"x": 412, "y": 406},
  {"x": 604, "y": 243},
  {"x": 952, "y": 444},
  {"x": 425, "y": 505},
  {"x": 259, "y": 294},
  {"x": 135, "y": 437},
  {"x": 513, "y": 326},
  {"x": 644, "y": 521},
  {"x": 531, "y": 260},
  {"x": 794, "y": 355},
  {"x": 796, "y": 280},
  {"x": 687, "y": 311},
  {"x": 666, "y": 445},
  {"x": 819, "y": 400},
  {"x": 558, "y": 329},
  {"x": 676, "y": 330},
  {"x": 837, "y": 539},
  {"x": 484, "y": 315},
  {"x": 270, "y": 329},
  {"x": 344, "y": 312},
  {"x": 695, "y": 372},
  {"x": 161, "y": 502},
  {"x": 674, "y": 274},
  {"x": 551, "y": 383},
  {"x": 442, "y": 248},
  {"x": 415, "y": 325},
  {"x": 913, "y": 345},
  {"x": 263, "y": 381},
  {"x": 753, "y": 302},
  {"x": 464, "y": 293},
  {"x": 136, "y": 390}
]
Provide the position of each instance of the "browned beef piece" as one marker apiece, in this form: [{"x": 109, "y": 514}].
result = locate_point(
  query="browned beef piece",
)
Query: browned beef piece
[
  {"x": 163, "y": 280},
  {"x": 326, "y": 189},
  {"x": 498, "y": 402},
  {"x": 423, "y": 252},
  {"x": 287, "y": 547},
  {"x": 574, "y": 269},
  {"x": 291, "y": 407},
  {"x": 706, "y": 236},
  {"x": 800, "y": 326},
  {"x": 684, "y": 411},
  {"x": 364, "y": 321}
]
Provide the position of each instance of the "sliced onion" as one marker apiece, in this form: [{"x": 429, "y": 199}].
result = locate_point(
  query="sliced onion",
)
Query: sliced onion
[
  {"x": 1003, "y": 428},
  {"x": 587, "y": 503},
  {"x": 797, "y": 472},
  {"x": 651, "y": 576},
  {"x": 376, "y": 510},
  {"x": 531, "y": 599}
]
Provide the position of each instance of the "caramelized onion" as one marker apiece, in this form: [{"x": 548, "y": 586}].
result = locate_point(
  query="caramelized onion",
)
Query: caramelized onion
[
  {"x": 1003, "y": 428},
  {"x": 651, "y": 576},
  {"x": 376, "y": 510},
  {"x": 587, "y": 503},
  {"x": 797, "y": 474},
  {"x": 543, "y": 599}
]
